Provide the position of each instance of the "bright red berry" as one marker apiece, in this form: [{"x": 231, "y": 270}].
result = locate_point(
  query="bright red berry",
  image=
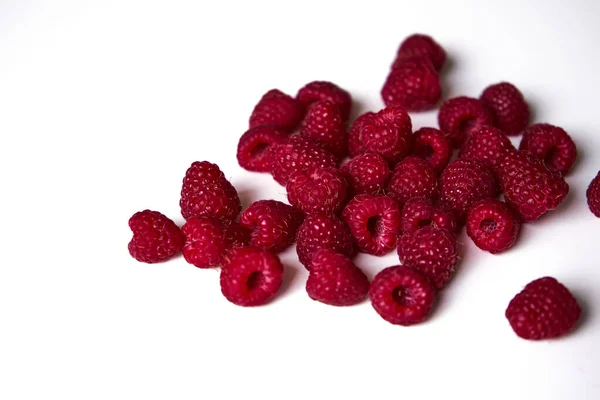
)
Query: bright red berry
[
  {"x": 355, "y": 145},
  {"x": 412, "y": 177},
  {"x": 432, "y": 145},
  {"x": 420, "y": 212},
  {"x": 327, "y": 91},
  {"x": 419, "y": 45},
  {"x": 551, "y": 144},
  {"x": 324, "y": 123},
  {"x": 323, "y": 231},
  {"x": 254, "y": 146},
  {"x": 366, "y": 173},
  {"x": 593, "y": 196},
  {"x": 461, "y": 116},
  {"x": 413, "y": 84},
  {"x": 277, "y": 109},
  {"x": 492, "y": 225},
  {"x": 155, "y": 237},
  {"x": 487, "y": 145},
  {"x": 508, "y": 106},
  {"x": 317, "y": 190}
]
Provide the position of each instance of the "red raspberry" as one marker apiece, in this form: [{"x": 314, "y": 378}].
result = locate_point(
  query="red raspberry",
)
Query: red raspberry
[
  {"x": 374, "y": 222},
  {"x": 530, "y": 188},
  {"x": 487, "y": 145},
  {"x": 508, "y": 106},
  {"x": 273, "y": 224},
  {"x": 366, "y": 173},
  {"x": 432, "y": 252},
  {"x": 431, "y": 145},
  {"x": 419, "y": 45},
  {"x": 254, "y": 146},
  {"x": 412, "y": 177},
  {"x": 401, "y": 295},
  {"x": 155, "y": 237},
  {"x": 544, "y": 309},
  {"x": 460, "y": 116},
  {"x": 323, "y": 231},
  {"x": 551, "y": 144},
  {"x": 298, "y": 154},
  {"x": 322, "y": 90},
  {"x": 413, "y": 84},
  {"x": 335, "y": 280},
  {"x": 593, "y": 196},
  {"x": 387, "y": 133},
  {"x": 492, "y": 225},
  {"x": 207, "y": 193},
  {"x": 317, "y": 190},
  {"x": 324, "y": 124},
  {"x": 419, "y": 212},
  {"x": 250, "y": 276},
  {"x": 278, "y": 109},
  {"x": 463, "y": 183}
]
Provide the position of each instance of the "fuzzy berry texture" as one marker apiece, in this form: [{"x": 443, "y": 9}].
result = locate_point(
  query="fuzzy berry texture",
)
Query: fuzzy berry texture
[
  {"x": 374, "y": 222},
  {"x": 326, "y": 91},
  {"x": 413, "y": 84},
  {"x": 487, "y": 145},
  {"x": 250, "y": 276},
  {"x": 412, "y": 177},
  {"x": 335, "y": 280},
  {"x": 402, "y": 295},
  {"x": 324, "y": 124},
  {"x": 508, "y": 106},
  {"x": 355, "y": 145},
  {"x": 366, "y": 173},
  {"x": 420, "y": 212},
  {"x": 317, "y": 190},
  {"x": 207, "y": 193},
  {"x": 461, "y": 116},
  {"x": 277, "y": 109},
  {"x": 273, "y": 224},
  {"x": 323, "y": 231},
  {"x": 544, "y": 309},
  {"x": 419, "y": 45},
  {"x": 254, "y": 146},
  {"x": 492, "y": 225},
  {"x": 593, "y": 196},
  {"x": 551, "y": 144},
  {"x": 155, "y": 238},
  {"x": 432, "y": 145},
  {"x": 530, "y": 188}
]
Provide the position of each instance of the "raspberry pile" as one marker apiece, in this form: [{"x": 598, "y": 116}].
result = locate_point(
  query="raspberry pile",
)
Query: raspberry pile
[{"x": 372, "y": 185}]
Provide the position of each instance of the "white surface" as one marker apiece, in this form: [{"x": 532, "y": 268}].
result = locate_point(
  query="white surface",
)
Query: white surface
[{"x": 103, "y": 106}]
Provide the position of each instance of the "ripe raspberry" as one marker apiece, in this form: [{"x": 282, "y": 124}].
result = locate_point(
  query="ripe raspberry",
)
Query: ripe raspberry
[
  {"x": 431, "y": 145},
  {"x": 508, "y": 106},
  {"x": 387, "y": 133},
  {"x": 487, "y": 145},
  {"x": 366, "y": 173},
  {"x": 412, "y": 177},
  {"x": 419, "y": 45},
  {"x": 413, "y": 84},
  {"x": 593, "y": 196},
  {"x": 374, "y": 222},
  {"x": 419, "y": 212},
  {"x": 401, "y": 295},
  {"x": 322, "y": 90},
  {"x": 278, "y": 109},
  {"x": 530, "y": 188},
  {"x": 250, "y": 276},
  {"x": 299, "y": 153},
  {"x": 317, "y": 190},
  {"x": 460, "y": 116},
  {"x": 323, "y": 231},
  {"x": 324, "y": 124},
  {"x": 463, "y": 183},
  {"x": 492, "y": 225},
  {"x": 155, "y": 237},
  {"x": 273, "y": 224},
  {"x": 207, "y": 193},
  {"x": 335, "y": 280},
  {"x": 544, "y": 309},
  {"x": 551, "y": 144},
  {"x": 254, "y": 146}
]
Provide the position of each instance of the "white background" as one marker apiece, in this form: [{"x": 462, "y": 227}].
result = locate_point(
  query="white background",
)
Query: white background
[{"x": 104, "y": 105}]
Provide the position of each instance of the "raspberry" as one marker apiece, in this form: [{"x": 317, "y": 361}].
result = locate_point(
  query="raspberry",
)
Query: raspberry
[
  {"x": 463, "y": 183},
  {"x": 530, "y": 188},
  {"x": 413, "y": 84},
  {"x": 544, "y": 309},
  {"x": 366, "y": 173},
  {"x": 324, "y": 124},
  {"x": 551, "y": 144},
  {"x": 460, "y": 116},
  {"x": 298, "y": 154},
  {"x": 254, "y": 146},
  {"x": 507, "y": 105},
  {"x": 207, "y": 193},
  {"x": 323, "y": 231},
  {"x": 419, "y": 212},
  {"x": 593, "y": 196},
  {"x": 273, "y": 224},
  {"x": 387, "y": 133},
  {"x": 431, "y": 145},
  {"x": 412, "y": 177},
  {"x": 317, "y": 190},
  {"x": 492, "y": 225},
  {"x": 487, "y": 145},
  {"x": 322, "y": 90},
  {"x": 155, "y": 237},
  {"x": 335, "y": 280},
  {"x": 250, "y": 276},
  {"x": 401, "y": 295},
  {"x": 374, "y": 222},
  {"x": 419, "y": 45},
  {"x": 277, "y": 109}
]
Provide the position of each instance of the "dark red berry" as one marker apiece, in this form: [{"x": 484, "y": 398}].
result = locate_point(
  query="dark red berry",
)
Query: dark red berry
[
  {"x": 492, "y": 225},
  {"x": 412, "y": 177},
  {"x": 419, "y": 45},
  {"x": 156, "y": 238},
  {"x": 254, "y": 146},
  {"x": 323, "y": 90},
  {"x": 366, "y": 173},
  {"x": 460, "y": 117},
  {"x": 419, "y": 212},
  {"x": 324, "y": 124},
  {"x": 508, "y": 106},
  {"x": 413, "y": 84},
  {"x": 277, "y": 109},
  {"x": 323, "y": 231},
  {"x": 593, "y": 196},
  {"x": 487, "y": 145},
  {"x": 432, "y": 145},
  {"x": 551, "y": 144},
  {"x": 317, "y": 190}
]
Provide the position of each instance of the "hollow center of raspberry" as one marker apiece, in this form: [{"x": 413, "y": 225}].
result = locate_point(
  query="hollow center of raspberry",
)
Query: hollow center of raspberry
[
  {"x": 466, "y": 125},
  {"x": 255, "y": 280},
  {"x": 550, "y": 156},
  {"x": 488, "y": 226},
  {"x": 374, "y": 225},
  {"x": 402, "y": 296},
  {"x": 259, "y": 149},
  {"x": 425, "y": 152},
  {"x": 425, "y": 222}
]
